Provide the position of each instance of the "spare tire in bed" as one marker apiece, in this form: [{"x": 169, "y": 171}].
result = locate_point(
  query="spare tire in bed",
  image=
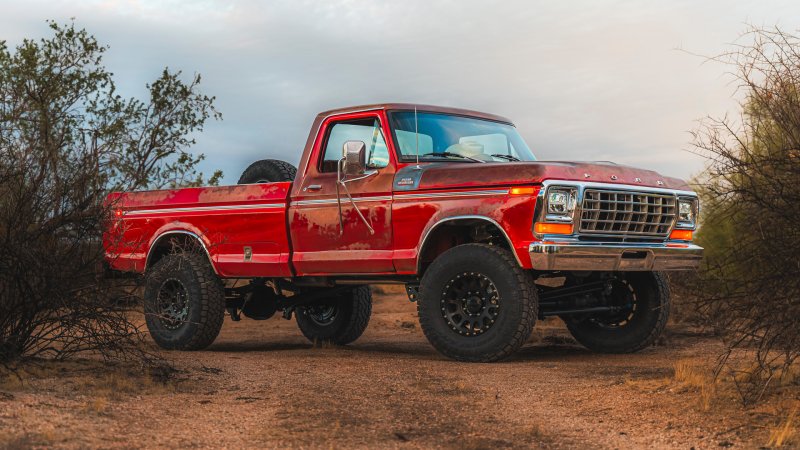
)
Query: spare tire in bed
[{"x": 268, "y": 171}]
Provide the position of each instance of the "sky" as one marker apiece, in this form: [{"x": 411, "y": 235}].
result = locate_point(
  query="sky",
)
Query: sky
[{"x": 582, "y": 80}]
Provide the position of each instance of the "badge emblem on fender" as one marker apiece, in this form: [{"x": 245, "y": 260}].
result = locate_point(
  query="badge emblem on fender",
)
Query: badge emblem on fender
[{"x": 405, "y": 182}]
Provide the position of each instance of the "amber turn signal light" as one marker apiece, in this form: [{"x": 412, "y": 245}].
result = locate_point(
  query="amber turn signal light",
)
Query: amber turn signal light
[
  {"x": 524, "y": 190},
  {"x": 552, "y": 228},
  {"x": 681, "y": 235}
]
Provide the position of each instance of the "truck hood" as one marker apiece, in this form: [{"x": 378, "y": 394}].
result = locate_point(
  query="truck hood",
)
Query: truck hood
[{"x": 458, "y": 175}]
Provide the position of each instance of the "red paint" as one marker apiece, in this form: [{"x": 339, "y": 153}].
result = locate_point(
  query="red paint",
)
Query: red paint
[
  {"x": 229, "y": 218},
  {"x": 319, "y": 246},
  {"x": 504, "y": 174},
  {"x": 148, "y": 215}
]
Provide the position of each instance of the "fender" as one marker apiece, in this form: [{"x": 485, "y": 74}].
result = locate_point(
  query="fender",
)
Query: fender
[
  {"x": 461, "y": 217},
  {"x": 178, "y": 231}
]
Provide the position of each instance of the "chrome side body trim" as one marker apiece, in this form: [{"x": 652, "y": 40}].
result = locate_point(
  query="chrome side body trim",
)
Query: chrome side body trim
[
  {"x": 139, "y": 212},
  {"x": 414, "y": 196},
  {"x": 451, "y": 194},
  {"x": 333, "y": 201},
  {"x": 606, "y": 256},
  {"x": 450, "y": 219},
  {"x": 189, "y": 233}
]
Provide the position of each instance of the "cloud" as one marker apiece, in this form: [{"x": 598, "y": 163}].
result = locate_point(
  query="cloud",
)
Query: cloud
[{"x": 582, "y": 80}]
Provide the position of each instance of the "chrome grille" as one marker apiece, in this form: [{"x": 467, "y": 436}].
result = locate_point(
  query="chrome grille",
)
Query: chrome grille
[{"x": 626, "y": 213}]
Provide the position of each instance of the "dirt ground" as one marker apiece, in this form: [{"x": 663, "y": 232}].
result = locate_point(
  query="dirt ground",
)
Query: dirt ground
[{"x": 262, "y": 385}]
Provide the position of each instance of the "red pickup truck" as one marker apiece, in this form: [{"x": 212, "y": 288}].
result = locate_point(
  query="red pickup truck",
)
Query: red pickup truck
[{"x": 452, "y": 203}]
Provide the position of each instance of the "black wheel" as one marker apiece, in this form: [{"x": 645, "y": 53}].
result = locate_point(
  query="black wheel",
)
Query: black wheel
[
  {"x": 643, "y": 300},
  {"x": 476, "y": 303},
  {"x": 268, "y": 171},
  {"x": 184, "y": 302},
  {"x": 340, "y": 321}
]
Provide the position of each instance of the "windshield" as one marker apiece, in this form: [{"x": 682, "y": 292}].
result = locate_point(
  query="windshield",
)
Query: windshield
[{"x": 456, "y": 138}]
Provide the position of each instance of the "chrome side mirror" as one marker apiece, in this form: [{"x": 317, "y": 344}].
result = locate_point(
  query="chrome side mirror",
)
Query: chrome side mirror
[
  {"x": 353, "y": 164},
  {"x": 354, "y": 156}
]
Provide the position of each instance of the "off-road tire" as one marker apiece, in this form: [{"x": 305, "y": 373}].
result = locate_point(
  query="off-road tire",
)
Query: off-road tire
[
  {"x": 645, "y": 325},
  {"x": 206, "y": 302},
  {"x": 517, "y": 302},
  {"x": 268, "y": 171},
  {"x": 353, "y": 309}
]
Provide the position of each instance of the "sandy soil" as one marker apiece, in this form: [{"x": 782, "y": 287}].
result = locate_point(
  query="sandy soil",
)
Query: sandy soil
[{"x": 263, "y": 385}]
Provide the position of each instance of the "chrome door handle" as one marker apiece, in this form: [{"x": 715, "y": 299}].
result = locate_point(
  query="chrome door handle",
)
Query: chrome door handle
[{"x": 313, "y": 187}]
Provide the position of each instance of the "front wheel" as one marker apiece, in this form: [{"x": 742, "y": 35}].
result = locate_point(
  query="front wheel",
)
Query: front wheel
[
  {"x": 642, "y": 300},
  {"x": 339, "y": 321},
  {"x": 476, "y": 303}
]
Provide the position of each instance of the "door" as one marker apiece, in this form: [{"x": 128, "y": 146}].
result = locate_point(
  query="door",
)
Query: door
[{"x": 321, "y": 244}]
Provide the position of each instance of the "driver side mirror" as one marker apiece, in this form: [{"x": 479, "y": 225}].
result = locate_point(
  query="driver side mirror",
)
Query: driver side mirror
[{"x": 354, "y": 154}]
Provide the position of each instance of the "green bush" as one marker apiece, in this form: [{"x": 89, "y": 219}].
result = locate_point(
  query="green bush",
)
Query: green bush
[
  {"x": 66, "y": 140},
  {"x": 749, "y": 288}
]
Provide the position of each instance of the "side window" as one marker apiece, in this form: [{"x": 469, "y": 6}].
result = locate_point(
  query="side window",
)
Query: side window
[{"x": 367, "y": 131}]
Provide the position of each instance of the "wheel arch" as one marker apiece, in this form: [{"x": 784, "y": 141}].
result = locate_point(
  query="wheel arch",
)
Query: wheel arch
[
  {"x": 434, "y": 241},
  {"x": 165, "y": 242}
]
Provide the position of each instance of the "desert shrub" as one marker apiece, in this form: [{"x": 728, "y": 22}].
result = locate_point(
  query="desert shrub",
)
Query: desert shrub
[
  {"x": 749, "y": 289},
  {"x": 66, "y": 140},
  {"x": 684, "y": 307}
]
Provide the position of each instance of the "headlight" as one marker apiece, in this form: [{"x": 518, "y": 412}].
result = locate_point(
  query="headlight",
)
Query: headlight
[
  {"x": 687, "y": 212},
  {"x": 561, "y": 201}
]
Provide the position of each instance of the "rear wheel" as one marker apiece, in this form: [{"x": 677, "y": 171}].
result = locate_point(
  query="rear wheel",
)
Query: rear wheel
[
  {"x": 184, "y": 302},
  {"x": 268, "y": 171},
  {"x": 476, "y": 303},
  {"x": 643, "y": 302},
  {"x": 339, "y": 321}
]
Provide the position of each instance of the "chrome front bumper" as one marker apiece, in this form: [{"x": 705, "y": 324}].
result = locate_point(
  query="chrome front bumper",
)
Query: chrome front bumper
[{"x": 612, "y": 256}]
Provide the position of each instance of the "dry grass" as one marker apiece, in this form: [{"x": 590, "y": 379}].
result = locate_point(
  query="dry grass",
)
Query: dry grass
[
  {"x": 721, "y": 395},
  {"x": 118, "y": 385},
  {"x": 10, "y": 382},
  {"x": 91, "y": 388},
  {"x": 98, "y": 405},
  {"x": 692, "y": 377},
  {"x": 785, "y": 432},
  {"x": 20, "y": 377},
  {"x": 93, "y": 378},
  {"x": 690, "y": 374},
  {"x": 789, "y": 376},
  {"x": 45, "y": 439},
  {"x": 754, "y": 385}
]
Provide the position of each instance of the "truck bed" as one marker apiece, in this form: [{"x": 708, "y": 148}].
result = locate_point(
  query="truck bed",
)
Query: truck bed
[{"x": 249, "y": 239}]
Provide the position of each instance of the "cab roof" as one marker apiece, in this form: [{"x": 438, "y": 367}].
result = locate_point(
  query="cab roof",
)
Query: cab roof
[{"x": 411, "y": 106}]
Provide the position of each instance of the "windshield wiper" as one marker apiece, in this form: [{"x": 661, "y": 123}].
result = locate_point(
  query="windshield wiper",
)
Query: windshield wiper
[
  {"x": 506, "y": 157},
  {"x": 456, "y": 155}
]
